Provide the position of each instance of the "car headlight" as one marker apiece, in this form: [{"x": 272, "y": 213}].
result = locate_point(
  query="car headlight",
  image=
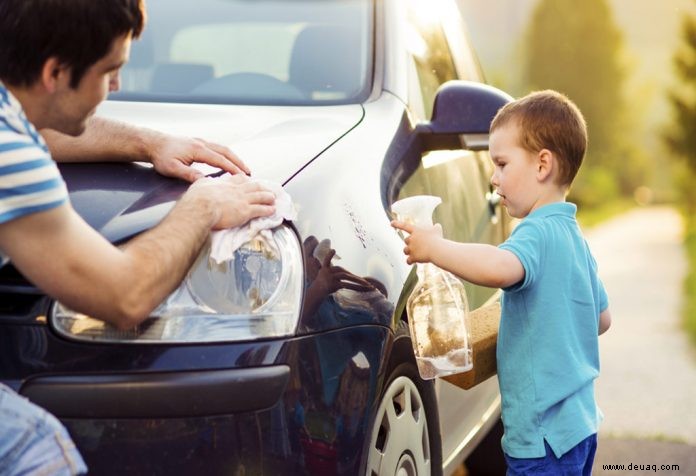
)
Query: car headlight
[{"x": 256, "y": 295}]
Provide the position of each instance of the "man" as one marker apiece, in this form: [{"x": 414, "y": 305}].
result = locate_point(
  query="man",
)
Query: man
[{"x": 58, "y": 61}]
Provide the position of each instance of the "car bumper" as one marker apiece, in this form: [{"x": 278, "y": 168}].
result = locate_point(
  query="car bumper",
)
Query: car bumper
[
  {"x": 308, "y": 411},
  {"x": 159, "y": 394}
]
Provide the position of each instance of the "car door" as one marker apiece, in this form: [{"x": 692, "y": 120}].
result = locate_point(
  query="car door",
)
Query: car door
[
  {"x": 468, "y": 212},
  {"x": 460, "y": 177}
]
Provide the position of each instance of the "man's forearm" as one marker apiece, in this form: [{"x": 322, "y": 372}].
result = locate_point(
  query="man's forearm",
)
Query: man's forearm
[
  {"x": 66, "y": 258},
  {"x": 162, "y": 257},
  {"x": 104, "y": 140}
]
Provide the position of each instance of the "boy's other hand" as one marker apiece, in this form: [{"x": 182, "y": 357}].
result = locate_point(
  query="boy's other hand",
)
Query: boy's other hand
[{"x": 420, "y": 241}]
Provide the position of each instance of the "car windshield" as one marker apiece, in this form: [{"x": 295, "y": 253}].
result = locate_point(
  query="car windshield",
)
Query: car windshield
[{"x": 252, "y": 52}]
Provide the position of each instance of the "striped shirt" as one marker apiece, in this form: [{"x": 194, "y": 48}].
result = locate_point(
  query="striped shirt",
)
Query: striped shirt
[{"x": 29, "y": 178}]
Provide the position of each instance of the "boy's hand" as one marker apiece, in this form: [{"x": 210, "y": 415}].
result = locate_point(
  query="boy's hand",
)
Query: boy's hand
[{"x": 420, "y": 241}]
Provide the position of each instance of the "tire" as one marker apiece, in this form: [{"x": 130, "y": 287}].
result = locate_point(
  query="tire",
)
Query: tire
[{"x": 405, "y": 434}]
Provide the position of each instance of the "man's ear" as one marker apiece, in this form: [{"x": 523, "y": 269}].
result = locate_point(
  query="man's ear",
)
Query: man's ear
[
  {"x": 546, "y": 164},
  {"x": 54, "y": 74}
]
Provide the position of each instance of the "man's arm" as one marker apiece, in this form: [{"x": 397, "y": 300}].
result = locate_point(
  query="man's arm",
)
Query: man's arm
[
  {"x": 106, "y": 140},
  {"x": 481, "y": 264},
  {"x": 70, "y": 261}
]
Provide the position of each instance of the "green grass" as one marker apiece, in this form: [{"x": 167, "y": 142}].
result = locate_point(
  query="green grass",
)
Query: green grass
[
  {"x": 658, "y": 437},
  {"x": 589, "y": 217},
  {"x": 689, "y": 311}
]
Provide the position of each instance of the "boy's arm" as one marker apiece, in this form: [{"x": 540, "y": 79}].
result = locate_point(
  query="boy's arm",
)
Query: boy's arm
[
  {"x": 604, "y": 321},
  {"x": 481, "y": 264},
  {"x": 106, "y": 140}
]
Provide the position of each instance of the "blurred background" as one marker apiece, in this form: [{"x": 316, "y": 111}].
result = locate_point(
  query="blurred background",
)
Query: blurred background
[{"x": 630, "y": 65}]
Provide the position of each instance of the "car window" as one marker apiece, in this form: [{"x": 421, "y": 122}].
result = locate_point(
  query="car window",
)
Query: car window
[
  {"x": 252, "y": 52},
  {"x": 463, "y": 55},
  {"x": 457, "y": 177},
  {"x": 429, "y": 52},
  {"x": 460, "y": 177},
  {"x": 209, "y": 44}
]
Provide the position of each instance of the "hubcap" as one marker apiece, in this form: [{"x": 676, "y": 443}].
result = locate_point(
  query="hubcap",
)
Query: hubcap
[
  {"x": 399, "y": 445},
  {"x": 407, "y": 467}
]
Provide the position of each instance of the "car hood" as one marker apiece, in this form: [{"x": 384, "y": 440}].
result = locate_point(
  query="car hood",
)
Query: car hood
[
  {"x": 275, "y": 141},
  {"x": 121, "y": 200}
]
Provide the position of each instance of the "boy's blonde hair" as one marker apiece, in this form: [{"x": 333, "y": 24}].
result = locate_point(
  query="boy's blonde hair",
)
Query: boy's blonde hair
[{"x": 548, "y": 120}]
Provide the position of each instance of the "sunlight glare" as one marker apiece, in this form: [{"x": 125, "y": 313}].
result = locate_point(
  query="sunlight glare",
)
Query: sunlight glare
[
  {"x": 438, "y": 157},
  {"x": 427, "y": 12}
]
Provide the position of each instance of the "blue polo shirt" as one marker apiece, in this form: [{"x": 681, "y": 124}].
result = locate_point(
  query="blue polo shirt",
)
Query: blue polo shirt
[{"x": 548, "y": 350}]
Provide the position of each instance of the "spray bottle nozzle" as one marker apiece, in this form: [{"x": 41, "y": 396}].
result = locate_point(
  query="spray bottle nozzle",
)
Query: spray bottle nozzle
[{"x": 417, "y": 210}]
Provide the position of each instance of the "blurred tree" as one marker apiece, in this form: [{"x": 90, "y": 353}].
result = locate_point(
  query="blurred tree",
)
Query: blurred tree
[
  {"x": 681, "y": 136},
  {"x": 577, "y": 49},
  {"x": 681, "y": 139}
]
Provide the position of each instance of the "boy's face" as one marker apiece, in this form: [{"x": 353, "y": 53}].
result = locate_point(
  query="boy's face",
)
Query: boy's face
[
  {"x": 72, "y": 107},
  {"x": 515, "y": 175}
]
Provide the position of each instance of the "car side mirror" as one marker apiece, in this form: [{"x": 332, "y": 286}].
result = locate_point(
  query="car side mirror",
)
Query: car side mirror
[{"x": 462, "y": 108}]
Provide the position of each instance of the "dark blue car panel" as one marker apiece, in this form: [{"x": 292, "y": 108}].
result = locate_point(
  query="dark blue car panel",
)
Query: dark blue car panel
[
  {"x": 109, "y": 195},
  {"x": 316, "y": 426}
]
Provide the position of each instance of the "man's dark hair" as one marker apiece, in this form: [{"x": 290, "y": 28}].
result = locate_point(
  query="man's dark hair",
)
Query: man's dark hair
[{"x": 77, "y": 32}]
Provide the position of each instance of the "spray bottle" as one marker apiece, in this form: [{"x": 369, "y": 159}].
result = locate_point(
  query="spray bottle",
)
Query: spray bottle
[{"x": 438, "y": 310}]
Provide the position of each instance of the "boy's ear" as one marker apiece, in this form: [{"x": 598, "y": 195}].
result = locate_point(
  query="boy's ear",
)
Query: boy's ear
[
  {"x": 54, "y": 74},
  {"x": 545, "y": 164}
]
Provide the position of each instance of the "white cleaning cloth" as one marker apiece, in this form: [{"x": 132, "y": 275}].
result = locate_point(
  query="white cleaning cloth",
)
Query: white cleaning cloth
[{"x": 226, "y": 242}]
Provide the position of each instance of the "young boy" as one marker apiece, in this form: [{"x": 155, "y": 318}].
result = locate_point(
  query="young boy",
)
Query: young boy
[{"x": 554, "y": 305}]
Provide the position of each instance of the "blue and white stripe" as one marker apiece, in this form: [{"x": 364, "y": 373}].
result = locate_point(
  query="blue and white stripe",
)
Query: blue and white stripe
[{"x": 29, "y": 179}]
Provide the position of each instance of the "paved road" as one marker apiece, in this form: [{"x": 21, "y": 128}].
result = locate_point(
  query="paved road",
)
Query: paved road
[{"x": 647, "y": 386}]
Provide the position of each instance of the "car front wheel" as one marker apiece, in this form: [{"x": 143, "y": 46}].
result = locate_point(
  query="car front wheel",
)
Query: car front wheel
[{"x": 404, "y": 439}]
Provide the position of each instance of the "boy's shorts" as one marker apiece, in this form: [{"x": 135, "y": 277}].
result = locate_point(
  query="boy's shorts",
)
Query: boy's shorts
[
  {"x": 32, "y": 441},
  {"x": 577, "y": 461}
]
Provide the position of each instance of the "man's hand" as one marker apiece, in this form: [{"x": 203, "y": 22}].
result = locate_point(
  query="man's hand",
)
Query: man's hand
[
  {"x": 106, "y": 140},
  {"x": 172, "y": 156},
  {"x": 233, "y": 200},
  {"x": 420, "y": 242}
]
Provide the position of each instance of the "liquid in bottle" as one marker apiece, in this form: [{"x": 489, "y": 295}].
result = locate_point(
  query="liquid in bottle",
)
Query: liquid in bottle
[{"x": 437, "y": 308}]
